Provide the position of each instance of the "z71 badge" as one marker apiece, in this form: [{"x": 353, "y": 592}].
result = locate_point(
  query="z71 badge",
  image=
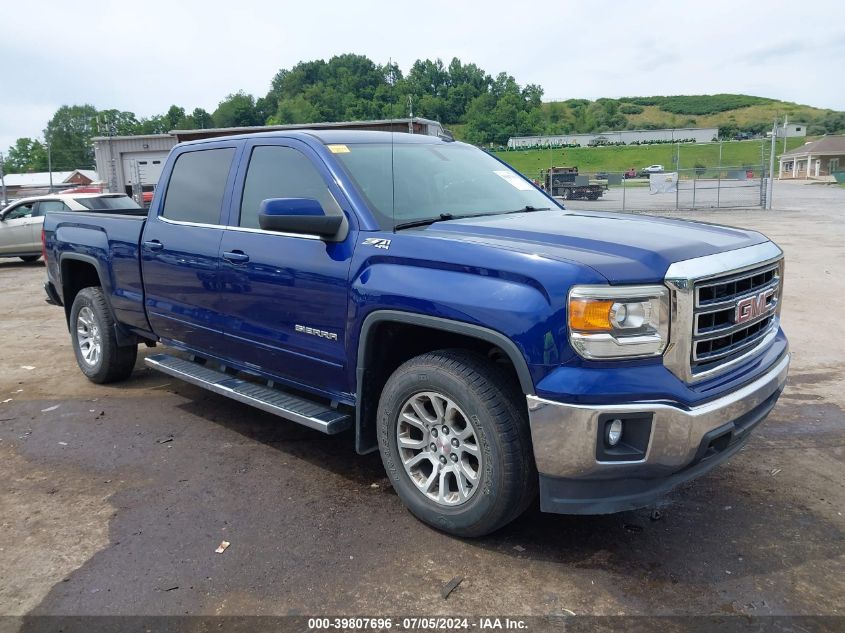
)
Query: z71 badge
[{"x": 378, "y": 242}]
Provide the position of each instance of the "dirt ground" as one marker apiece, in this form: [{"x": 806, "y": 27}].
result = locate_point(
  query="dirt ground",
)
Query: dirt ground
[{"x": 113, "y": 498}]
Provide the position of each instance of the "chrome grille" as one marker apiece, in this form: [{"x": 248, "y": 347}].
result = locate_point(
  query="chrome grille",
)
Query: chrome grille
[{"x": 722, "y": 330}]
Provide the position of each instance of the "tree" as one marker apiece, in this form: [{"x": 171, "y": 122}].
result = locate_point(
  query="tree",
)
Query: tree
[
  {"x": 346, "y": 87},
  {"x": 202, "y": 119},
  {"x": 175, "y": 117},
  {"x": 237, "y": 110},
  {"x": 116, "y": 123},
  {"x": 26, "y": 155},
  {"x": 154, "y": 125},
  {"x": 830, "y": 123},
  {"x": 295, "y": 110},
  {"x": 69, "y": 135}
]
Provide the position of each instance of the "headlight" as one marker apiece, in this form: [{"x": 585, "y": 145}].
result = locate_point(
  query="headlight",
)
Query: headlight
[{"x": 619, "y": 321}]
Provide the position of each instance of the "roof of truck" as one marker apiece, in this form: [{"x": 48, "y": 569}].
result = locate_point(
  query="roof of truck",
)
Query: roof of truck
[{"x": 329, "y": 137}]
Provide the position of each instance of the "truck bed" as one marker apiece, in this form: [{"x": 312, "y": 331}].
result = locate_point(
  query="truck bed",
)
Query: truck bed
[{"x": 109, "y": 241}]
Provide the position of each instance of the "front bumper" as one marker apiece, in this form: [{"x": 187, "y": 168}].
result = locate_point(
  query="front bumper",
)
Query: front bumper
[{"x": 578, "y": 477}]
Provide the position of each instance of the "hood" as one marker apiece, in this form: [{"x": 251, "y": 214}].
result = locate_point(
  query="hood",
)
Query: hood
[{"x": 623, "y": 248}]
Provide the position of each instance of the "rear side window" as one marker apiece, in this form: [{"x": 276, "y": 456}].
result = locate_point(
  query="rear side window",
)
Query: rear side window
[
  {"x": 45, "y": 206},
  {"x": 196, "y": 187},
  {"x": 282, "y": 172},
  {"x": 108, "y": 203}
]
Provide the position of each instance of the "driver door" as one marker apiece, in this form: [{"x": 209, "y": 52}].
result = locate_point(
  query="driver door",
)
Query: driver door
[{"x": 16, "y": 234}]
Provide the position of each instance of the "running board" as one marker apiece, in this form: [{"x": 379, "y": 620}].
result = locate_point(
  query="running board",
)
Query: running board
[{"x": 295, "y": 408}]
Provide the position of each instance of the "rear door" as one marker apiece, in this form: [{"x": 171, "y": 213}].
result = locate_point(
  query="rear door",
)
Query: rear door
[
  {"x": 180, "y": 247},
  {"x": 286, "y": 295},
  {"x": 16, "y": 234}
]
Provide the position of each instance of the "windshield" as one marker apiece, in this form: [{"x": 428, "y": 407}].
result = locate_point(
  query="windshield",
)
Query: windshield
[
  {"x": 108, "y": 203},
  {"x": 412, "y": 182}
]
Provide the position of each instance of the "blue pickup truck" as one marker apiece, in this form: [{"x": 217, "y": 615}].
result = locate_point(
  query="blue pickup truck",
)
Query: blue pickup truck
[{"x": 492, "y": 345}]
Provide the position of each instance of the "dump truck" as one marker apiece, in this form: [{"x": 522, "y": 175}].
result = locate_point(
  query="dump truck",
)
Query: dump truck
[{"x": 567, "y": 184}]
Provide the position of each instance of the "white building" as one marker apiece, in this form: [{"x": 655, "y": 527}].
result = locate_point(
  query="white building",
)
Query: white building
[
  {"x": 819, "y": 159},
  {"x": 42, "y": 182},
  {"x": 791, "y": 130},
  {"x": 698, "y": 134}
]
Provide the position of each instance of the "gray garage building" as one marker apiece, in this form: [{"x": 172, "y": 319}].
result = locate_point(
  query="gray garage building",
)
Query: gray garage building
[{"x": 123, "y": 161}]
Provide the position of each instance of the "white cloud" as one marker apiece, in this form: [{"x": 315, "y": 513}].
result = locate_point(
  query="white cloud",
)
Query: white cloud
[{"x": 145, "y": 57}]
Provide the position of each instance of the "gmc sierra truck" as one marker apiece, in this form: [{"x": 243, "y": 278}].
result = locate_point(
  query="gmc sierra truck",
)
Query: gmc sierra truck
[{"x": 490, "y": 344}]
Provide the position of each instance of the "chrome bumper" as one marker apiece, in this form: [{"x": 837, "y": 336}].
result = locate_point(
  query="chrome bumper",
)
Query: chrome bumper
[{"x": 565, "y": 436}]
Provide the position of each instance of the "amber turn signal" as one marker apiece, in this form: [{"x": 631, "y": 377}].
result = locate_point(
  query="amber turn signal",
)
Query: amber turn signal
[{"x": 589, "y": 315}]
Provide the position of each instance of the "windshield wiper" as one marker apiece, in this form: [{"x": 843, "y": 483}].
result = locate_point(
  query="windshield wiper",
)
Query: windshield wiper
[
  {"x": 527, "y": 207},
  {"x": 451, "y": 216},
  {"x": 423, "y": 222}
]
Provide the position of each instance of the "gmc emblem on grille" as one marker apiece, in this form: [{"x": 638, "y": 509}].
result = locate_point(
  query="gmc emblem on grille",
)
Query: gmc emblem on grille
[{"x": 752, "y": 307}]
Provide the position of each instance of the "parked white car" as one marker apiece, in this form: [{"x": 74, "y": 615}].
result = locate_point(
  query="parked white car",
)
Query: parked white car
[
  {"x": 652, "y": 169},
  {"x": 20, "y": 222}
]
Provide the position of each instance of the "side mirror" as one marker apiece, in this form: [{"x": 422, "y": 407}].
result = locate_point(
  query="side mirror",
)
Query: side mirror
[{"x": 297, "y": 215}]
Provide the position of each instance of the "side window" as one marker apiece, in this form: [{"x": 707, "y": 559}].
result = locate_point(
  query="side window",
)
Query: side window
[
  {"x": 45, "y": 206},
  {"x": 197, "y": 184},
  {"x": 23, "y": 211},
  {"x": 282, "y": 172}
]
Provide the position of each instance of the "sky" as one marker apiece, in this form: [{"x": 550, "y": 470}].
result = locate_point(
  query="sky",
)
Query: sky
[{"x": 145, "y": 56}]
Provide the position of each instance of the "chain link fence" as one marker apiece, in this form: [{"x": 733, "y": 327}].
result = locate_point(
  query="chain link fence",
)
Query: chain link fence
[{"x": 725, "y": 187}]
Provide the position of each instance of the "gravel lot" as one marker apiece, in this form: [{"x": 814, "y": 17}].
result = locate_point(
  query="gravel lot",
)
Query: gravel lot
[{"x": 113, "y": 498}]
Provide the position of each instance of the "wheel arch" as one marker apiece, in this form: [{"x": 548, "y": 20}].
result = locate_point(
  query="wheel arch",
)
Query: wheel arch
[
  {"x": 436, "y": 332},
  {"x": 80, "y": 271}
]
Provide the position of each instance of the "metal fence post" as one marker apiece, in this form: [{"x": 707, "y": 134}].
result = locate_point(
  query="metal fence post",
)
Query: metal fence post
[
  {"x": 677, "y": 186},
  {"x": 2, "y": 183},
  {"x": 694, "y": 179},
  {"x": 623, "y": 191},
  {"x": 719, "y": 187}
]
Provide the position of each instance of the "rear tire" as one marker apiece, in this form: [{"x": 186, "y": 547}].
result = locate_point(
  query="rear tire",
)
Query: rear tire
[
  {"x": 30, "y": 258},
  {"x": 454, "y": 440},
  {"x": 94, "y": 340}
]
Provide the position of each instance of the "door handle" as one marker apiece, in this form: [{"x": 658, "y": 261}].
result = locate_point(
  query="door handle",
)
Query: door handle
[
  {"x": 236, "y": 257},
  {"x": 153, "y": 245}
]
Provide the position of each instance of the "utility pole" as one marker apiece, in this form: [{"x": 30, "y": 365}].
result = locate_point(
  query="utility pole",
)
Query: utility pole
[
  {"x": 49, "y": 163},
  {"x": 785, "y": 131},
  {"x": 719, "y": 177},
  {"x": 3, "y": 198},
  {"x": 771, "y": 183}
]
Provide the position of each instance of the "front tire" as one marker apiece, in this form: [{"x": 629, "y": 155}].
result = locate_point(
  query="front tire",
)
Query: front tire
[
  {"x": 455, "y": 444},
  {"x": 94, "y": 341},
  {"x": 30, "y": 258}
]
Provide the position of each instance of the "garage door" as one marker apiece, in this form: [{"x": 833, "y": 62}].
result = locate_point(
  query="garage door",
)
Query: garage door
[{"x": 143, "y": 167}]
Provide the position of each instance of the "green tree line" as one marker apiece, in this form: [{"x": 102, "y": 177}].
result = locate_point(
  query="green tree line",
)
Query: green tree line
[{"x": 486, "y": 109}]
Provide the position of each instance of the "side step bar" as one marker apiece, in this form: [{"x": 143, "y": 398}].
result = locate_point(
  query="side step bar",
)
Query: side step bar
[{"x": 311, "y": 414}]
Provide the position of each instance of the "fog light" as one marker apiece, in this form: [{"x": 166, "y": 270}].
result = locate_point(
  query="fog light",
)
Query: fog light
[{"x": 614, "y": 432}]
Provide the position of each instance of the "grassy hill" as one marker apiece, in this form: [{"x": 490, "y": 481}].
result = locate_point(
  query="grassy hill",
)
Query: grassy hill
[
  {"x": 733, "y": 111},
  {"x": 592, "y": 159},
  {"x": 758, "y": 114}
]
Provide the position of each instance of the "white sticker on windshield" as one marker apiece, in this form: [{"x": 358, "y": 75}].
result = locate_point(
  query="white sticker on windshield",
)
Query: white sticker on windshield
[{"x": 514, "y": 180}]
